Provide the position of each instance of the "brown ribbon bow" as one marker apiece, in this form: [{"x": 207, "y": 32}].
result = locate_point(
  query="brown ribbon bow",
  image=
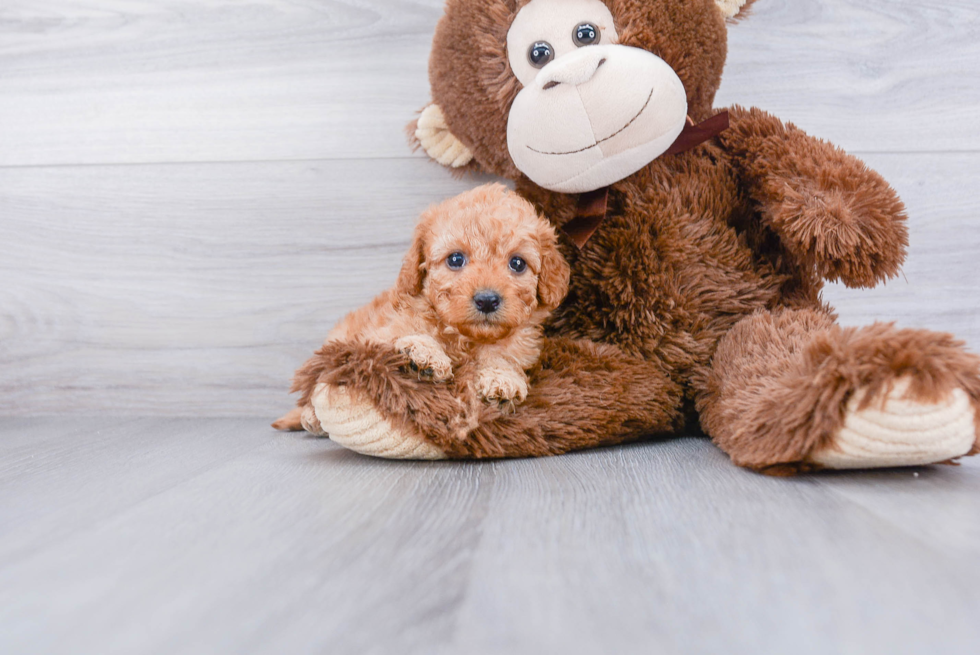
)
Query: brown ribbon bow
[{"x": 592, "y": 206}]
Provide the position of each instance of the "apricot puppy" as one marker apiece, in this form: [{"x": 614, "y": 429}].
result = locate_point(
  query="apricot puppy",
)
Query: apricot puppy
[{"x": 481, "y": 276}]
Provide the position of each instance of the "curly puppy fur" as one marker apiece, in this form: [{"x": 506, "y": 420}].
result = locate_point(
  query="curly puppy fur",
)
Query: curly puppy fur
[{"x": 432, "y": 313}]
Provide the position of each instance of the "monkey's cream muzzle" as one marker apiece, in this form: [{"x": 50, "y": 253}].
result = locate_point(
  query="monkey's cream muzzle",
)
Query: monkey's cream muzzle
[{"x": 595, "y": 116}]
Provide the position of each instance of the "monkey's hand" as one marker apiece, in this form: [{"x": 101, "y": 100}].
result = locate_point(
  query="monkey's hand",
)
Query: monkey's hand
[{"x": 829, "y": 209}]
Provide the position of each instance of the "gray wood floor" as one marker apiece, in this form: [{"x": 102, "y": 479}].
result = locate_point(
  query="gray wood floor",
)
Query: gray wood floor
[
  {"x": 211, "y": 535},
  {"x": 193, "y": 191}
]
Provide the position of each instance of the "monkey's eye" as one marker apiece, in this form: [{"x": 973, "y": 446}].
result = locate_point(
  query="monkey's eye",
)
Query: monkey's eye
[
  {"x": 540, "y": 54},
  {"x": 586, "y": 34},
  {"x": 456, "y": 261},
  {"x": 517, "y": 264}
]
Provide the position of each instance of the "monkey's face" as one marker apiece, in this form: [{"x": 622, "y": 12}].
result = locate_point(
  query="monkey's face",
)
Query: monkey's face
[
  {"x": 572, "y": 94},
  {"x": 592, "y": 111}
]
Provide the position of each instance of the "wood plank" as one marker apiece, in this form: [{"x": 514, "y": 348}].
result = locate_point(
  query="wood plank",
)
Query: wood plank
[
  {"x": 292, "y": 544},
  {"x": 300, "y": 525},
  {"x": 135, "y": 81},
  {"x": 869, "y": 75},
  {"x": 938, "y": 286},
  {"x": 936, "y": 505},
  {"x": 183, "y": 80},
  {"x": 65, "y": 475},
  {"x": 122, "y": 286},
  {"x": 197, "y": 290},
  {"x": 669, "y": 548}
]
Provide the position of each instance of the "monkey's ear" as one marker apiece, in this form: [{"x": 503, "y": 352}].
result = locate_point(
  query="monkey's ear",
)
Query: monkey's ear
[
  {"x": 412, "y": 274},
  {"x": 432, "y": 134},
  {"x": 733, "y": 8}
]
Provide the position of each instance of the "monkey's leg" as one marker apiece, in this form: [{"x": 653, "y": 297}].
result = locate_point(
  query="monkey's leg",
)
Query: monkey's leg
[
  {"x": 791, "y": 391},
  {"x": 581, "y": 395}
]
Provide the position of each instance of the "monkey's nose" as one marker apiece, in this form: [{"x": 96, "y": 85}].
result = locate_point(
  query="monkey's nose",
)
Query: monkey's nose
[
  {"x": 487, "y": 302},
  {"x": 574, "y": 68}
]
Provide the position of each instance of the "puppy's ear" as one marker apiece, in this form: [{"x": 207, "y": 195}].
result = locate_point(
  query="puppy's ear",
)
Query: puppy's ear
[
  {"x": 554, "y": 274},
  {"x": 412, "y": 275}
]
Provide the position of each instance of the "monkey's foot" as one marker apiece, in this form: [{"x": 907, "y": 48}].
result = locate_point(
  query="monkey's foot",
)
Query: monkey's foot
[
  {"x": 899, "y": 431},
  {"x": 359, "y": 427}
]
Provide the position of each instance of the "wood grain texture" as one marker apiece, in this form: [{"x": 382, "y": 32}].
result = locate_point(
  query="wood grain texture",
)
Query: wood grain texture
[
  {"x": 939, "y": 285},
  {"x": 198, "y": 289},
  {"x": 190, "y": 289},
  {"x": 869, "y": 75},
  {"x": 164, "y": 536},
  {"x": 217, "y": 80}
]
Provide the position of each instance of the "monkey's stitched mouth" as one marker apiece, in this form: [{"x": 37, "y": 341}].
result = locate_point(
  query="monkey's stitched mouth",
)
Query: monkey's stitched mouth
[{"x": 596, "y": 144}]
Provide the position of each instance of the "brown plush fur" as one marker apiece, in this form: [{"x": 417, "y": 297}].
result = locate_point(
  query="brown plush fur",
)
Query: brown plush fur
[{"x": 706, "y": 274}]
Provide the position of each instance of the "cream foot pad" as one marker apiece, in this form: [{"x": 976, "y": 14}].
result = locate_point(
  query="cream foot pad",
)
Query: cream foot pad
[
  {"x": 362, "y": 429},
  {"x": 901, "y": 432}
]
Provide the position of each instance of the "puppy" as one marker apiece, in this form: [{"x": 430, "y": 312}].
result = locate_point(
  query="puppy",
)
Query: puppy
[{"x": 481, "y": 276}]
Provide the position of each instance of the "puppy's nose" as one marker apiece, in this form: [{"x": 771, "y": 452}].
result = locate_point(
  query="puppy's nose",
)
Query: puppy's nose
[{"x": 487, "y": 301}]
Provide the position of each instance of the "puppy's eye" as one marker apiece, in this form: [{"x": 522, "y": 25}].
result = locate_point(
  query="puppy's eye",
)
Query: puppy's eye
[
  {"x": 540, "y": 54},
  {"x": 517, "y": 264},
  {"x": 456, "y": 261},
  {"x": 586, "y": 34}
]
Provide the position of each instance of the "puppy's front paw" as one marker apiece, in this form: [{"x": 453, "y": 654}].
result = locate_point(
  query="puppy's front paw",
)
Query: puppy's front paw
[
  {"x": 502, "y": 385},
  {"x": 427, "y": 357}
]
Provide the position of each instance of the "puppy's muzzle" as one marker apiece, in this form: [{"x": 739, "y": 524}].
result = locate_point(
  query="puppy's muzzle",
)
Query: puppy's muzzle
[{"x": 487, "y": 302}]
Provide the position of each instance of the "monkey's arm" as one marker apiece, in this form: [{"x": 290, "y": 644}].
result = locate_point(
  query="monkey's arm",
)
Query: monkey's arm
[
  {"x": 581, "y": 395},
  {"x": 828, "y": 208}
]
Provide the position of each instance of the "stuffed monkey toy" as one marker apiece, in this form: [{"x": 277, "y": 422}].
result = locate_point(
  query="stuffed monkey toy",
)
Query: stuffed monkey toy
[{"x": 698, "y": 241}]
